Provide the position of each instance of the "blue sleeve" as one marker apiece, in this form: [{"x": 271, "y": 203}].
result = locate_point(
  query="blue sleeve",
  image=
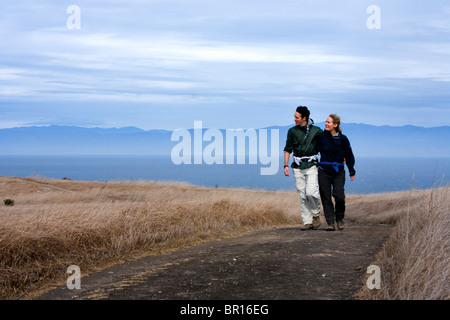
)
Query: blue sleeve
[{"x": 349, "y": 157}]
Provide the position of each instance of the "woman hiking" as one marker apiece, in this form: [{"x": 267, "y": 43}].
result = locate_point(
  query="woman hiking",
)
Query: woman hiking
[{"x": 335, "y": 150}]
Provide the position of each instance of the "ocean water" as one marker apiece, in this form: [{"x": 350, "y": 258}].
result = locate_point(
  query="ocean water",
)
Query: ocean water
[{"x": 373, "y": 175}]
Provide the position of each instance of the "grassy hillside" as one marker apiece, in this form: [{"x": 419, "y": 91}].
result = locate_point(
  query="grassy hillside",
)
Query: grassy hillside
[
  {"x": 57, "y": 223},
  {"x": 415, "y": 261}
]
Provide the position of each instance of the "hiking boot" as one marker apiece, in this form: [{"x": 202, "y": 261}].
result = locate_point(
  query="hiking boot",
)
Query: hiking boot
[
  {"x": 316, "y": 222},
  {"x": 330, "y": 228},
  {"x": 308, "y": 226},
  {"x": 340, "y": 224}
]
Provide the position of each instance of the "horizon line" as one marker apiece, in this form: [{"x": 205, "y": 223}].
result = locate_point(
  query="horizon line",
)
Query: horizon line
[{"x": 156, "y": 129}]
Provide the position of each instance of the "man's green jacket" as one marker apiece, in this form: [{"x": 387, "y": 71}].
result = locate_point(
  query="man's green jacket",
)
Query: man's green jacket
[{"x": 302, "y": 142}]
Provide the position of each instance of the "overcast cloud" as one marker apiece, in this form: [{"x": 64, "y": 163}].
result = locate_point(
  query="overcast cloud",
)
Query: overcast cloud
[{"x": 247, "y": 64}]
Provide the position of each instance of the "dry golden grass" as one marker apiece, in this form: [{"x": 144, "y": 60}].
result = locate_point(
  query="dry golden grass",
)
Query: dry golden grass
[
  {"x": 385, "y": 208},
  {"x": 57, "y": 223},
  {"x": 415, "y": 261}
]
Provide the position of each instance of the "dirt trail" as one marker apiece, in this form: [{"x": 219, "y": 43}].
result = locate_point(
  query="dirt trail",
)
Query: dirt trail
[{"x": 284, "y": 263}]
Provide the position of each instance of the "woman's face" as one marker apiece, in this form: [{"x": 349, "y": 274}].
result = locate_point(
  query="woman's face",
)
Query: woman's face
[{"x": 329, "y": 124}]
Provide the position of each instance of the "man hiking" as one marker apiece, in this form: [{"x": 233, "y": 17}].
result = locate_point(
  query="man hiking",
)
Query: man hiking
[{"x": 301, "y": 141}]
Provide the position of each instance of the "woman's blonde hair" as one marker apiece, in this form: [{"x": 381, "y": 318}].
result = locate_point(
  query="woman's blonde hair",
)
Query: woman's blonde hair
[{"x": 336, "y": 120}]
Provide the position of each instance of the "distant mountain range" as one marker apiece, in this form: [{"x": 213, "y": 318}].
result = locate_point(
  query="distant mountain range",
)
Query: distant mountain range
[{"x": 366, "y": 140}]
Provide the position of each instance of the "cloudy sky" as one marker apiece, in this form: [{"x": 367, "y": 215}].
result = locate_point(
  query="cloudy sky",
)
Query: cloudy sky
[{"x": 162, "y": 64}]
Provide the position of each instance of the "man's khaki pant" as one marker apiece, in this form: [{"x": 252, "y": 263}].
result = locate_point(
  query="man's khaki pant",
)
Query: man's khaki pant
[{"x": 307, "y": 183}]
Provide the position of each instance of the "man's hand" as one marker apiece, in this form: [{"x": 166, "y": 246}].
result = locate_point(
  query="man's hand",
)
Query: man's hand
[{"x": 286, "y": 161}]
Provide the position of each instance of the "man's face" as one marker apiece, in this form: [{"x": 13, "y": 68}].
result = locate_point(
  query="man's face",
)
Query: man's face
[{"x": 299, "y": 120}]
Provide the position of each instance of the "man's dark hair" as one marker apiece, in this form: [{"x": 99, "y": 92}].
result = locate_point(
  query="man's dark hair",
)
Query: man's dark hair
[{"x": 303, "y": 111}]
